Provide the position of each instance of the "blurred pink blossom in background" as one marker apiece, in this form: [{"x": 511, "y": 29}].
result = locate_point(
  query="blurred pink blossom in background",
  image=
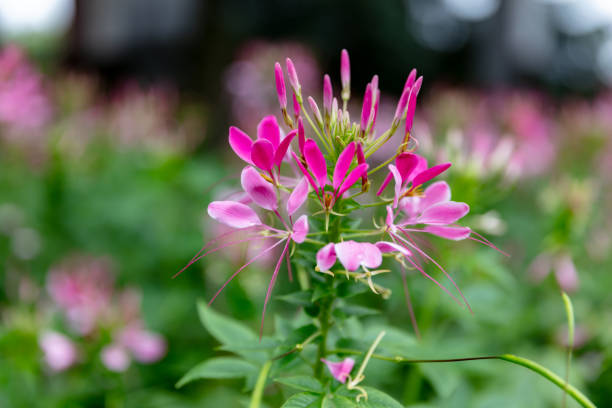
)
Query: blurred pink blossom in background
[{"x": 59, "y": 351}]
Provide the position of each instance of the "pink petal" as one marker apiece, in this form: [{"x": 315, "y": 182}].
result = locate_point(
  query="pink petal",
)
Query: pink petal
[
  {"x": 316, "y": 162},
  {"x": 115, "y": 357},
  {"x": 293, "y": 77},
  {"x": 296, "y": 107},
  {"x": 390, "y": 217},
  {"x": 443, "y": 213},
  {"x": 411, "y": 206},
  {"x": 366, "y": 108},
  {"x": 410, "y": 79},
  {"x": 540, "y": 267},
  {"x": 297, "y": 196},
  {"x": 352, "y": 178},
  {"x": 326, "y": 257},
  {"x": 300, "y": 229},
  {"x": 406, "y": 163},
  {"x": 280, "y": 85},
  {"x": 375, "y": 109},
  {"x": 454, "y": 233},
  {"x": 315, "y": 110},
  {"x": 398, "y": 184},
  {"x": 386, "y": 247},
  {"x": 340, "y": 371},
  {"x": 345, "y": 69},
  {"x": 241, "y": 143},
  {"x": 384, "y": 184},
  {"x": 262, "y": 154},
  {"x": 260, "y": 191},
  {"x": 301, "y": 136},
  {"x": 412, "y": 104},
  {"x": 234, "y": 214},
  {"x": 279, "y": 155},
  {"x": 438, "y": 192},
  {"x": 343, "y": 164},
  {"x": 430, "y": 173},
  {"x": 400, "y": 111},
  {"x": 268, "y": 130},
  {"x": 353, "y": 254},
  {"x": 305, "y": 172}
]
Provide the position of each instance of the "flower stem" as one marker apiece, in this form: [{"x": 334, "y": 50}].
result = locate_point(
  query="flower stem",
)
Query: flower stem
[
  {"x": 324, "y": 315},
  {"x": 260, "y": 385}
]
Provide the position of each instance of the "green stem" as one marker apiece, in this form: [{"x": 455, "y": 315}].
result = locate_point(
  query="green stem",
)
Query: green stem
[
  {"x": 260, "y": 385},
  {"x": 324, "y": 315},
  {"x": 569, "y": 311},
  {"x": 531, "y": 365}
]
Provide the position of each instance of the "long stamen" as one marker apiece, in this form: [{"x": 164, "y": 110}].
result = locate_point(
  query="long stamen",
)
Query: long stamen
[
  {"x": 415, "y": 326},
  {"x": 265, "y": 251},
  {"x": 271, "y": 285},
  {"x": 443, "y": 271},
  {"x": 486, "y": 242}
]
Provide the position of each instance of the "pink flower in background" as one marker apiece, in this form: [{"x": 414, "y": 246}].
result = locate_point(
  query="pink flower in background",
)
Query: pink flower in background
[
  {"x": 115, "y": 357},
  {"x": 562, "y": 266},
  {"x": 59, "y": 351},
  {"x": 146, "y": 346},
  {"x": 247, "y": 78},
  {"x": 23, "y": 102},
  {"x": 82, "y": 287}
]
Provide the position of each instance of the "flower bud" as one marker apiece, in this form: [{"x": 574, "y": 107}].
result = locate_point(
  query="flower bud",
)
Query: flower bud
[
  {"x": 293, "y": 79},
  {"x": 366, "y": 108},
  {"x": 345, "y": 75},
  {"x": 334, "y": 111},
  {"x": 296, "y": 108},
  {"x": 327, "y": 94},
  {"x": 280, "y": 86},
  {"x": 301, "y": 136},
  {"x": 410, "y": 80},
  {"x": 315, "y": 110},
  {"x": 361, "y": 159},
  {"x": 412, "y": 103}
]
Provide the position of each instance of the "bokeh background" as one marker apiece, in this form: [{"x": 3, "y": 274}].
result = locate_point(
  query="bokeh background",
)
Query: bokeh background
[{"x": 113, "y": 139}]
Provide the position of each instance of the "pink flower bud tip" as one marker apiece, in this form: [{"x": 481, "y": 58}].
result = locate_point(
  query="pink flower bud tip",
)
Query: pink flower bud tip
[
  {"x": 280, "y": 86},
  {"x": 327, "y": 93},
  {"x": 293, "y": 77},
  {"x": 345, "y": 69}
]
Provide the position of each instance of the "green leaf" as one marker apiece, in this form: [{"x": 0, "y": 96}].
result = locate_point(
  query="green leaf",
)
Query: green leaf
[
  {"x": 228, "y": 331},
  {"x": 219, "y": 367},
  {"x": 338, "y": 401},
  {"x": 302, "y": 400},
  {"x": 301, "y": 298},
  {"x": 356, "y": 310},
  {"x": 376, "y": 398},
  {"x": 302, "y": 383}
]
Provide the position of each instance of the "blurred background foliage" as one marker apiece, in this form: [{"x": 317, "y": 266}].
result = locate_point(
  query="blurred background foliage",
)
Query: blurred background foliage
[{"x": 113, "y": 124}]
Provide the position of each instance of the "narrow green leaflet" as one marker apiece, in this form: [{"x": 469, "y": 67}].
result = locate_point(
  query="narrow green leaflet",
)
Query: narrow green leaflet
[
  {"x": 376, "y": 398},
  {"x": 303, "y": 400},
  {"x": 219, "y": 367},
  {"x": 338, "y": 401},
  {"x": 224, "y": 329},
  {"x": 301, "y": 383}
]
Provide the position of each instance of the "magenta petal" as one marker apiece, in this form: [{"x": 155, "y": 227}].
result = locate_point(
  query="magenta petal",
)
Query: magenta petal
[
  {"x": 352, "y": 178},
  {"x": 443, "y": 213},
  {"x": 387, "y": 247},
  {"x": 353, "y": 254},
  {"x": 406, "y": 163},
  {"x": 279, "y": 155},
  {"x": 366, "y": 108},
  {"x": 327, "y": 93},
  {"x": 305, "y": 172},
  {"x": 384, "y": 184},
  {"x": 398, "y": 184},
  {"x": 260, "y": 191},
  {"x": 340, "y": 371},
  {"x": 300, "y": 229},
  {"x": 297, "y": 196},
  {"x": 410, "y": 79},
  {"x": 241, "y": 143},
  {"x": 412, "y": 104},
  {"x": 234, "y": 214},
  {"x": 268, "y": 129},
  {"x": 454, "y": 233},
  {"x": 326, "y": 257},
  {"x": 345, "y": 69},
  {"x": 262, "y": 154},
  {"x": 316, "y": 162},
  {"x": 301, "y": 136},
  {"x": 280, "y": 85},
  {"x": 343, "y": 164},
  {"x": 438, "y": 192},
  {"x": 411, "y": 206},
  {"x": 430, "y": 173}
]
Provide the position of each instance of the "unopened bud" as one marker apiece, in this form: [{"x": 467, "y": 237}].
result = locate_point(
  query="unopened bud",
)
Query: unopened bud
[
  {"x": 301, "y": 136},
  {"x": 345, "y": 75},
  {"x": 315, "y": 110},
  {"x": 412, "y": 103},
  {"x": 293, "y": 79},
  {"x": 280, "y": 86},
  {"x": 327, "y": 94},
  {"x": 296, "y": 108}
]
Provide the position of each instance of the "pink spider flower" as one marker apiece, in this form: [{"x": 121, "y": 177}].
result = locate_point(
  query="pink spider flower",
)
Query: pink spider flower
[
  {"x": 268, "y": 151},
  {"x": 340, "y": 370},
  {"x": 342, "y": 180},
  {"x": 352, "y": 255},
  {"x": 243, "y": 218}
]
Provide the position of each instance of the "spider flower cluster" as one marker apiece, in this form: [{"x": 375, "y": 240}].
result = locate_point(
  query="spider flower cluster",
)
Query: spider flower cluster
[{"x": 306, "y": 176}]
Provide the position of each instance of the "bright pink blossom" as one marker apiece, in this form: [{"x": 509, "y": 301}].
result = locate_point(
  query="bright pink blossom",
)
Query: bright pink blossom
[{"x": 340, "y": 370}]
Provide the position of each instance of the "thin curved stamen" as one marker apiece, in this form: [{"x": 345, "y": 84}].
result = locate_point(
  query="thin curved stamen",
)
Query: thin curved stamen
[
  {"x": 271, "y": 285},
  {"x": 415, "y": 326},
  {"x": 486, "y": 242},
  {"x": 443, "y": 271},
  {"x": 265, "y": 251}
]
